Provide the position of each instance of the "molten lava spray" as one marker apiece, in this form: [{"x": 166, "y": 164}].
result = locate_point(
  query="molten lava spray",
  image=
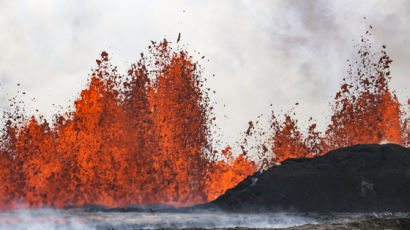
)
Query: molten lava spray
[
  {"x": 144, "y": 137},
  {"x": 133, "y": 139},
  {"x": 365, "y": 111}
]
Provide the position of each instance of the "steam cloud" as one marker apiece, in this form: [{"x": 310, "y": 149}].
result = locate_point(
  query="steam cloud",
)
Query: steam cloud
[
  {"x": 278, "y": 52},
  {"x": 81, "y": 220}
]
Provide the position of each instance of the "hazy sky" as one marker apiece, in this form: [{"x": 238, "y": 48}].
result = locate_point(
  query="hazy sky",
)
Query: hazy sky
[{"x": 261, "y": 52}]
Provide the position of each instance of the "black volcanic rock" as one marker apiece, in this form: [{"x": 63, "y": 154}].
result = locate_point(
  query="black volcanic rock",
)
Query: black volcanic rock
[{"x": 359, "y": 178}]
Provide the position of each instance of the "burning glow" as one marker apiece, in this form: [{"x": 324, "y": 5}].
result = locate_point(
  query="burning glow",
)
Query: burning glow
[{"x": 144, "y": 137}]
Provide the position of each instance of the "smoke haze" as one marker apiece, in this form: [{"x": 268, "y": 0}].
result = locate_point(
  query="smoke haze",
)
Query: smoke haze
[
  {"x": 78, "y": 219},
  {"x": 262, "y": 53}
]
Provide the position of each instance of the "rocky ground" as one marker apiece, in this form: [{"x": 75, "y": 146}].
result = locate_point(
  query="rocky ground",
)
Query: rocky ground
[
  {"x": 355, "y": 224},
  {"x": 361, "y": 223},
  {"x": 360, "y": 178}
]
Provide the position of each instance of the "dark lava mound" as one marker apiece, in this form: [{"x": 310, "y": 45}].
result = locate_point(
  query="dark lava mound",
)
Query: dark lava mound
[{"x": 360, "y": 178}]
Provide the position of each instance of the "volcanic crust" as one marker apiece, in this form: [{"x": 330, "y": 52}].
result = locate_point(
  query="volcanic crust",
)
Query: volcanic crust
[
  {"x": 360, "y": 178},
  {"x": 356, "y": 224}
]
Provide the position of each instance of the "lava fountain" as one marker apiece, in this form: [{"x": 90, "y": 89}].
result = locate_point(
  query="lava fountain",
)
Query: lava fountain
[
  {"x": 144, "y": 137},
  {"x": 365, "y": 111},
  {"x": 138, "y": 138}
]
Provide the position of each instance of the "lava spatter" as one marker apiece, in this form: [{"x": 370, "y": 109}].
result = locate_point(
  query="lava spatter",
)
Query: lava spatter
[
  {"x": 144, "y": 137},
  {"x": 137, "y": 138},
  {"x": 364, "y": 111}
]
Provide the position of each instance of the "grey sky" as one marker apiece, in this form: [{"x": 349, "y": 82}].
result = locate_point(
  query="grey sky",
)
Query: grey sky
[{"x": 262, "y": 52}]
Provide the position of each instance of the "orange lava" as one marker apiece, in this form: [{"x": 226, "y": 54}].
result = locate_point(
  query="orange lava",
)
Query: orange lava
[
  {"x": 144, "y": 137},
  {"x": 133, "y": 139},
  {"x": 365, "y": 111}
]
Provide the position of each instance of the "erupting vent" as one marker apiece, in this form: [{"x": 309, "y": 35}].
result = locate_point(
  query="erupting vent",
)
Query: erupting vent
[{"x": 144, "y": 137}]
